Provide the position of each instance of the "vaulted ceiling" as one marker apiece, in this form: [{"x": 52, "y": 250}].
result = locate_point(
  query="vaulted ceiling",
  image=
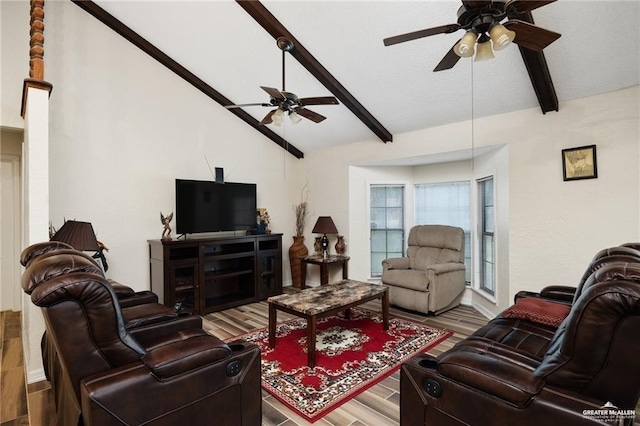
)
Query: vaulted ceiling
[{"x": 384, "y": 91}]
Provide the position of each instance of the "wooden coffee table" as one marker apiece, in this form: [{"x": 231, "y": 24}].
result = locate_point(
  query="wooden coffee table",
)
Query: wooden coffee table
[{"x": 323, "y": 301}]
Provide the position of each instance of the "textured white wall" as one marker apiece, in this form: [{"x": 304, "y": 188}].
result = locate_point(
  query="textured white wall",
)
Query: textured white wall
[
  {"x": 552, "y": 228},
  {"x": 555, "y": 226},
  {"x": 123, "y": 128}
]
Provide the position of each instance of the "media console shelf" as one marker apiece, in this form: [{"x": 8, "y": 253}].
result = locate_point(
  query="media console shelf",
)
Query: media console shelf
[{"x": 212, "y": 274}]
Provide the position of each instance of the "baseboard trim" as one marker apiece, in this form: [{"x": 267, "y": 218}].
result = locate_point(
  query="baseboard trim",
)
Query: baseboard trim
[
  {"x": 37, "y": 375},
  {"x": 487, "y": 313}
]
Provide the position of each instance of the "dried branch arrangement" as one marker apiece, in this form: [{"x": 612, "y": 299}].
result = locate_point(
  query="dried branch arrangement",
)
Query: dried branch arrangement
[
  {"x": 301, "y": 211},
  {"x": 301, "y": 218}
]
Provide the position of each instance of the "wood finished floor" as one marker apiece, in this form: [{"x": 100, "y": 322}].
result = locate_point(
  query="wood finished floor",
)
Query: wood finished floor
[
  {"x": 17, "y": 399},
  {"x": 379, "y": 405}
]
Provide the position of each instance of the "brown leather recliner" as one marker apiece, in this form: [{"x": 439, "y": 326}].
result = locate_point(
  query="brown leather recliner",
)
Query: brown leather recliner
[
  {"x": 109, "y": 377},
  {"x": 126, "y": 295},
  {"x": 141, "y": 312},
  {"x": 142, "y": 315},
  {"x": 591, "y": 362},
  {"x": 530, "y": 340}
]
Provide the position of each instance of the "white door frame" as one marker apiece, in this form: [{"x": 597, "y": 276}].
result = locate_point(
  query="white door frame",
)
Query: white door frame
[{"x": 11, "y": 233}]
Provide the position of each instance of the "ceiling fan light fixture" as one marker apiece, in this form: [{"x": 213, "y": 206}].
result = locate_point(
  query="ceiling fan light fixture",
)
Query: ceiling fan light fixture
[
  {"x": 501, "y": 36},
  {"x": 465, "y": 48},
  {"x": 277, "y": 117},
  {"x": 484, "y": 51},
  {"x": 295, "y": 118}
]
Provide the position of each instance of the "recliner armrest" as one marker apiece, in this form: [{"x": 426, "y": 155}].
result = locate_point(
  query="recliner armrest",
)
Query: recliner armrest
[
  {"x": 181, "y": 356},
  {"x": 127, "y": 297},
  {"x": 504, "y": 380},
  {"x": 153, "y": 335},
  {"x": 556, "y": 293},
  {"x": 121, "y": 290},
  {"x": 441, "y": 268},
  {"x": 559, "y": 292},
  {"x": 223, "y": 392},
  {"x": 396, "y": 263},
  {"x": 150, "y": 313},
  {"x": 140, "y": 298}
]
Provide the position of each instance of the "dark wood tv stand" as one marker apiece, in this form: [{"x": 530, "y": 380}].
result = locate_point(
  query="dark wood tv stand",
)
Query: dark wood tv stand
[{"x": 211, "y": 274}]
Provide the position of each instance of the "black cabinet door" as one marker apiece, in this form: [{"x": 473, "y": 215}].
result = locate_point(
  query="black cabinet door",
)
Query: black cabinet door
[
  {"x": 269, "y": 274},
  {"x": 185, "y": 285}
]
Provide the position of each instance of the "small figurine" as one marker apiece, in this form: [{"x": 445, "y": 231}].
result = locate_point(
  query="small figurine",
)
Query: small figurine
[
  {"x": 267, "y": 220},
  {"x": 52, "y": 230},
  {"x": 263, "y": 221},
  {"x": 166, "y": 221}
]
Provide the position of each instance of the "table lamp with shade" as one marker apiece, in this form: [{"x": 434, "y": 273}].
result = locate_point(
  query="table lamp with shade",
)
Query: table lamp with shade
[
  {"x": 325, "y": 226},
  {"x": 80, "y": 236}
]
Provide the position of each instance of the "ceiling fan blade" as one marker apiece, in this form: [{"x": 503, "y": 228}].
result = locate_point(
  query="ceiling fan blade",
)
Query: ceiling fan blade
[
  {"x": 521, "y": 6},
  {"x": 267, "y": 118},
  {"x": 319, "y": 100},
  {"x": 449, "y": 60},
  {"x": 273, "y": 92},
  {"x": 313, "y": 116},
  {"x": 247, "y": 105},
  {"x": 530, "y": 36},
  {"x": 475, "y": 4},
  {"x": 449, "y": 28}
]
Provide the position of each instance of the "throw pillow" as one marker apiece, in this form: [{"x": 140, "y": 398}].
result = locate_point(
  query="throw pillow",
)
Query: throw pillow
[{"x": 538, "y": 310}]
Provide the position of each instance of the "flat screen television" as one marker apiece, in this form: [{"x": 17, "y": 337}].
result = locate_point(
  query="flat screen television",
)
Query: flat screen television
[{"x": 205, "y": 206}]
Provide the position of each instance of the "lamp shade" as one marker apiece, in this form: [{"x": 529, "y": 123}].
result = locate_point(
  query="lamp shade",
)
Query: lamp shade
[
  {"x": 277, "y": 117},
  {"x": 78, "y": 235},
  {"x": 501, "y": 37},
  {"x": 465, "y": 48},
  {"x": 295, "y": 118},
  {"x": 484, "y": 51},
  {"x": 325, "y": 225}
]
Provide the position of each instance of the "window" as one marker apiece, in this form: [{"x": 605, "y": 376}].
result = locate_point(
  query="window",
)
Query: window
[
  {"x": 487, "y": 237},
  {"x": 447, "y": 203},
  {"x": 387, "y": 224}
]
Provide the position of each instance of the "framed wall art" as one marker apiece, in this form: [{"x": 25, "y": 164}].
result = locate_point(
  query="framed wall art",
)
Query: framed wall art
[{"x": 579, "y": 163}]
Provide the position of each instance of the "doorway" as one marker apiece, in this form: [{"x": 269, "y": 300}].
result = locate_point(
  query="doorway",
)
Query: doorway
[{"x": 10, "y": 222}]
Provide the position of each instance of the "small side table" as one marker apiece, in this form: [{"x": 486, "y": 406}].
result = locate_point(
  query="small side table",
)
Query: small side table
[{"x": 324, "y": 263}]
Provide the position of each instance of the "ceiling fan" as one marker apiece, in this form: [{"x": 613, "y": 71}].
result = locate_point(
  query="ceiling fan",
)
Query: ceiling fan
[
  {"x": 481, "y": 19},
  {"x": 287, "y": 102}
]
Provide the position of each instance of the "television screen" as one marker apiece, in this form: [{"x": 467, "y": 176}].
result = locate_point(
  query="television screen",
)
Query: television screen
[{"x": 205, "y": 206}]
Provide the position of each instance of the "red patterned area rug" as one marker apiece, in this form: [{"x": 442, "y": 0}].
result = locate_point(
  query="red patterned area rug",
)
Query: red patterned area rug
[{"x": 351, "y": 356}]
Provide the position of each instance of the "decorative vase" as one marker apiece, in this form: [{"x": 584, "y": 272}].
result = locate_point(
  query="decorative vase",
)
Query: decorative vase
[
  {"x": 317, "y": 246},
  {"x": 297, "y": 251},
  {"x": 340, "y": 245}
]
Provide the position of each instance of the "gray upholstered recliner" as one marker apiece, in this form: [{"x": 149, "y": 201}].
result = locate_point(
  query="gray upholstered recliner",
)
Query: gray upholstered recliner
[{"x": 431, "y": 278}]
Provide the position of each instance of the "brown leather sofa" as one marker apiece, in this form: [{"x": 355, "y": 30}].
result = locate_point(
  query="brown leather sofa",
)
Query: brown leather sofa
[
  {"x": 517, "y": 370},
  {"x": 126, "y": 296},
  {"x": 141, "y": 312},
  {"x": 107, "y": 373}
]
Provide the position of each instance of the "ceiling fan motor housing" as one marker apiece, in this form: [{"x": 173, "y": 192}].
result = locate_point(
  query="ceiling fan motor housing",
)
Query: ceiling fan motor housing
[{"x": 481, "y": 20}]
